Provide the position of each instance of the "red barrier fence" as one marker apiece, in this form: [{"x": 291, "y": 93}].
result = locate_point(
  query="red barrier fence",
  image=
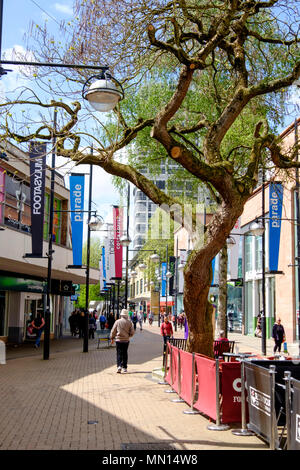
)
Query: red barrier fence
[
  {"x": 206, "y": 378},
  {"x": 203, "y": 375},
  {"x": 231, "y": 392},
  {"x": 186, "y": 363}
]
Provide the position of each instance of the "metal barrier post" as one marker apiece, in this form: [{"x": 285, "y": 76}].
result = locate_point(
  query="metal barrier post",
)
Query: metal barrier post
[
  {"x": 287, "y": 378},
  {"x": 191, "y": 411},
  {"x": 243, "y": 431},
  {"x": 273, "y": 423},
  {"x": 171, "y": 367},
  {"x": 163, "y": 382},
  {"x": 218, "y": 426},
  {"x": 178, "y": 400}
]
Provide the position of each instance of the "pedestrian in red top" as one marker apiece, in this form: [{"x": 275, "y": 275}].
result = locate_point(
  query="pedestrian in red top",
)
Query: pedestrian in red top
[{"x": 166, "y": 331}]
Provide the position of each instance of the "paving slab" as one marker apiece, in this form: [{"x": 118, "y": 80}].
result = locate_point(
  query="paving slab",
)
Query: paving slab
[{"x": 77, "y": 401}]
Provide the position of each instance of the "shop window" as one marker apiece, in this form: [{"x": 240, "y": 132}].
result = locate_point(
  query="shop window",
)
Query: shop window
[{"x": 17, "y": 204}]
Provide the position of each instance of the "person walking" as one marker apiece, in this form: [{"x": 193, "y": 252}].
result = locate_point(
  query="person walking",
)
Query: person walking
[
  {"x": 134, "y": 319},
  {"x": 38, "y": 326},
  {"x": 81, "y": 323},
  {"x": 102, "y": 320},
  {"x": 166, "y": 330},
  {"x": 150, "y": 318},
  {"x": 110, "y": 320},
  {"x": 121, "y": 332},
  {"x": 140, "y": 320},
  {"x": 92, "y": 326},
  {"x": 278, "y": 334},
  {"x": 73, "y": 323}
]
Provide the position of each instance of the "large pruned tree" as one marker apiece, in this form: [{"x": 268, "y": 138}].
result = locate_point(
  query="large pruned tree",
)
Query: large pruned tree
[{"x": 234, "y": 54}]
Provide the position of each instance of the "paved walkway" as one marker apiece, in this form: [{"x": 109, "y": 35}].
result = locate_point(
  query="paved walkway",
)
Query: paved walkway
[{"x": 76, "y": 401}]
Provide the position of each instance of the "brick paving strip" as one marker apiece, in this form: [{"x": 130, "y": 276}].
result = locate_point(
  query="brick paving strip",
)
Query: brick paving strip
[{"x": 76, "y": 401}]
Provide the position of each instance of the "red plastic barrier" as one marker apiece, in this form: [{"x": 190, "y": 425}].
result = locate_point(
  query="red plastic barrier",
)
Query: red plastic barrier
[
  {"x": 186, "y": 366},
  {"x": 175, "y": 353},
  {"x": 231, "y": 392},
  {"x": 206, "y": 374}
]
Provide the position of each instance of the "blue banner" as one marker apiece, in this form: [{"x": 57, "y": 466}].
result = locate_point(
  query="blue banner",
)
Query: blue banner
[
  {"x": 163, "y": 279},
  {"x": 77, "y": 207},
  {"x": 275, "y": 211},
  {"x": 213, "y": 263}
]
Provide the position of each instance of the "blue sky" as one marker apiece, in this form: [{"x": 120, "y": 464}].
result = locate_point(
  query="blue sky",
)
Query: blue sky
[{"x": 17, "y": 17}]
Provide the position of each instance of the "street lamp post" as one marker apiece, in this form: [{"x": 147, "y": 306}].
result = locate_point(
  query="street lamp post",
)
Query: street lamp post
[
  {"x": 87, "y": 285},
  {"x": 103, "y": 92},
  {"x": 46, "y": 350},
  {"x": 259, "y": 230}
]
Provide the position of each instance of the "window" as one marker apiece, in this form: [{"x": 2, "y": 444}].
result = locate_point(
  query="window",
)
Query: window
[
  {"x": 17, "y": 204},
  {"x": 160, "y": 184},
  {"x": 258, "y": 253},
  {"x": 248, "y": 253}
]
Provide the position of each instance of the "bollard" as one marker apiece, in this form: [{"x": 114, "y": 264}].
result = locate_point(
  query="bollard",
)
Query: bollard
[
  {"x": 2, "y": 353},
  {"x": 243, "y": 431},
  {"x": 273, "y": 423},
  {"x": 218, "y": 426},
  {"x": 287, "y": 379},
  {"x": 191, "y": 411},
  {"x": 178, "y": 400},
  {"x": 171, "y": 366}
]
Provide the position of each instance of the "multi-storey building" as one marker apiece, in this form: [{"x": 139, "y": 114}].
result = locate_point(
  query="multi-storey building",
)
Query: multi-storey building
[
  {"x": 144, "y": 208},
  {"x": 23, "y": 279}
]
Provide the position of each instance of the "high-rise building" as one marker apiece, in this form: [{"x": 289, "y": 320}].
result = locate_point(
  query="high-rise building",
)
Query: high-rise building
[{"x": 144, "y": 208}]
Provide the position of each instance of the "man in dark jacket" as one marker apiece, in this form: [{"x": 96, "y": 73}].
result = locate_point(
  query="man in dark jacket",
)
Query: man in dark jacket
[{"x": 278, "y": 335}]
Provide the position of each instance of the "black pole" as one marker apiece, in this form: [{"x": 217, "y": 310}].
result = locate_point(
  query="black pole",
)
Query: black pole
[
  {"x": 263, "y": 316},
  {"x": 118, "y": 297},
  {"x": 127, "y": 247},
  {"x": 50, "y": 250},
  {"x": 114, "y": 298},
  {"x": 86, "y": 313}
]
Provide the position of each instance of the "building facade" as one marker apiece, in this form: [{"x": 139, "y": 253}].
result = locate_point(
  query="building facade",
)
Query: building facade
[{"x": 23, "y": 280}]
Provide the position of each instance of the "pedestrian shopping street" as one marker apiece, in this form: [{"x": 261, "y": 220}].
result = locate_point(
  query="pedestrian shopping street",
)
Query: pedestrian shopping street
[{"x": 76, "y": 401}]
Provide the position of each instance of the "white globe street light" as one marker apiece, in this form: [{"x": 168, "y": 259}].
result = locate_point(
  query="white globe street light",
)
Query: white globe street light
[
  {"x": 103, "y": 94},
  {"x": 154, "y": 258},
  {"x": 95, "y": 223},
  {"x": 125, "y": 241},
  {"x": 257, "y": 229}
]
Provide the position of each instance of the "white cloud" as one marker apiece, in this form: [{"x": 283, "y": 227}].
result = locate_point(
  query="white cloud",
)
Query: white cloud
[{"x": 64, "y": 8}]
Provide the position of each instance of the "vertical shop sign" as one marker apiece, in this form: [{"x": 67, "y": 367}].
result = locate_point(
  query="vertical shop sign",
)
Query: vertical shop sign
[
  {"x": 77, "y": 207},
  {"x": 103, "y": 267},
  {"x": 37, "y": 158},
  {"x": 275, "y": 211},
  {"x": 163, "y": 279},
  {"x": 118, "y": 249}
]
